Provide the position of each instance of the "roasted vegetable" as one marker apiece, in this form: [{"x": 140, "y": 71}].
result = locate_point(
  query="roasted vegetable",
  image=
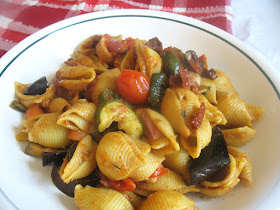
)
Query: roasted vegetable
[
  {"x": 37, "y": 150},
  {"x": 38, "y": 87},
  {"x": 158, "y": 84},
  {"x": 171, "y": 63},
  {"x": 193, "y": 62},
  {"x": 107, "y": 95},
  {"x": 213, "y": 158},
  {"x": 16, "y": 105},
  {"x": 116, "y": 111},
  {"x": 53, "y": 158},
  {"x": 68, "y": 189}
]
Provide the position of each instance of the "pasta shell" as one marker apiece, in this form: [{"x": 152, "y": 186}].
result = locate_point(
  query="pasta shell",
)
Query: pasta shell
[
  {"x": 102, "y": 52},
  {"x": 256, "y": 112},
  {"x": 173, "y": 112},
  {"x": 58, "y": 105},
  {"x": 106, "y": 80},
  {"x": 30, "y": 100},
  {"x": 134, "y": 199},
  {"x": 246, "y": 174},
  {"x": 48, "y": 133},
  {"x": 79, "y": 116},
  {"x": 234, "y": 110},
  {"x": 209, "y": 88},
  {"x": 82, "y": 163},
  {"x": 223, "y": 83},
  {"x": 169, "y": 181},
  {"x": 158, "y": 130},
  {"x": 88, "y": 198},
  {"x": 212, "y": 113},
  {"x": 118, "y": 156},
  {"x": 167, "y": 200},
  {"x": 177, "y": 162},
  {"x": 198, "y": 140},
  {"x": 75, "y": 78},
  {"x": 238, "y": 137},
  {"x": 143, "y": 173},
  {"x": 147, "y": 60}
]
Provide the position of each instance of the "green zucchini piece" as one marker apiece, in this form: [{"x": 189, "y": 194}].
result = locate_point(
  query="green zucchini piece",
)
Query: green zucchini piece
[
  {"x": 158, "y": 84},
  {"x": 116, "y": 111},
  {"x": 107, "y": 95},
  {"x": 171, "y": 64},
  {"x": 18, "y": 106}
]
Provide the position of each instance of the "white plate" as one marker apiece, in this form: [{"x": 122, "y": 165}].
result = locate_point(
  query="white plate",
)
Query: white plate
[{"x": 25, "y": 184}]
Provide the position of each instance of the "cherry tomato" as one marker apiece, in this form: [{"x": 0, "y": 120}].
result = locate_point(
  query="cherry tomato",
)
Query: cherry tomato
[
  {"x": 160, "y": 171},
  {"x": 124, "y": 185},
  {"x": 134, "y": 86}
]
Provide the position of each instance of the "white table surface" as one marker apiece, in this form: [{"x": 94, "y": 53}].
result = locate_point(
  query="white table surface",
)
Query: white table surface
[{"x": 257, "y": 24}]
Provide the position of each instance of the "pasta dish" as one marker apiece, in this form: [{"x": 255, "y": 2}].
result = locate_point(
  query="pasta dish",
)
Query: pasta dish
[{"x": 128, "y": 124}]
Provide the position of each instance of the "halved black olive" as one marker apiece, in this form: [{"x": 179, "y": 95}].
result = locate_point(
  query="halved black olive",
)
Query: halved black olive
[
  {"x": 68, "y": 189},
  {"x": 39, "y": 87},
  {"x": 212, "y": 159},
  {"x": 53, "y": 158}
]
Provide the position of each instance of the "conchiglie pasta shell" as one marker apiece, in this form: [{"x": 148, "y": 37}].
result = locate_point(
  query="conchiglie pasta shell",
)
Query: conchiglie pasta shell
[
  {"x": 256, "y": 112},
  {"x": 167, "y": 200},
  {"x": 102, "y": 52},
  {"x": 223, "y": 83},
  {"x": 234, "y": 110},
  {"x": 79, "y": 116},
  {"x": 75, "y": 78},
  {"x": 143, "y": 173},
  {"x": 88, "y": 198},
  {"x": 48, "y": 133},
  {"x": 246, "y": 174},
  {"x": 198, "y": 140},
  {"x": 211, "y": 89},
  {"x": 169, "y": 181},
  {"x": 212, "y": 113},
  {"x": 82, "y": 163},
  {"x": 58, "y": 105},
  {"x": 165, "y": 143},
  {"x": 172, "y": 111},
  {"x": 106, "y": 80},
  {"x": 134, "y": 199},
  {"x": 238, "y": 137},
  {"x": 177, "y": 162},
  {"x": 118, "y": 156},
  {"x": 219, "y": 191},
  {"x": 30, "y": 100}
]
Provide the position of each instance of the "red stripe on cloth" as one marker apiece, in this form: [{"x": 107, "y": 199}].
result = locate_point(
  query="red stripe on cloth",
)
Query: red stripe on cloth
[
  {"x": 36, "y": 16},
  {"x": 2, "y": 52},
  {"x": 207, "y": 3},
  {"x": 14, "y": 36},
  {"x": 220, "y": 22}
]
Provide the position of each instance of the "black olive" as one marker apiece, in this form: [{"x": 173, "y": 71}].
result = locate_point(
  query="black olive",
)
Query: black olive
[
  {"x": 39, "y": 87},
  {"x": 68, "y": 189},
  {"x": 72, "y": 150},
  {"x": 212, "y": 159}
]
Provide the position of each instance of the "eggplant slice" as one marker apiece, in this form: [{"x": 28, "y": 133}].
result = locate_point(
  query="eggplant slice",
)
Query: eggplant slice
[
  {"x": 68, "y": 189},
  {"x": 212, "y": 159}
]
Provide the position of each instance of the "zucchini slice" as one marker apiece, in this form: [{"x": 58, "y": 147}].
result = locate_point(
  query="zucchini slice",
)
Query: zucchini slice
[{"x": 117, "y": 111}]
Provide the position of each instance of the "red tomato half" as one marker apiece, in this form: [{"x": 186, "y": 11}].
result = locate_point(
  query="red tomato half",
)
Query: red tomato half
[{"x": 134, "y": 86}]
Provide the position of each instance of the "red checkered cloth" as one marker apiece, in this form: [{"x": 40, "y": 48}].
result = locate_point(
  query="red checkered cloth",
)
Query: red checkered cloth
[{"x": 20, "y": 18}]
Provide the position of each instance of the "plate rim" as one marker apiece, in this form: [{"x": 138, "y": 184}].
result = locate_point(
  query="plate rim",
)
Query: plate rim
[{"x": 253, "y": 56}]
